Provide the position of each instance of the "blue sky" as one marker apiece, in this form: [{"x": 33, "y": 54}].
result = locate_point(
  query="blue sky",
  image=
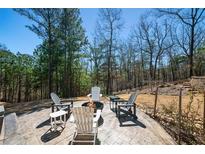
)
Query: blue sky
[{"x": 18, "y": 38}]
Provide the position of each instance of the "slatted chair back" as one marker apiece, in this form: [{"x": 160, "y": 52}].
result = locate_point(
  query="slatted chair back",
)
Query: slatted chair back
[
  {"x": 132, "y": 98},
  {"x": 95, "y": 92},
  {"x": 55, "y": 99},
  {"x": 84, "y": 119}
]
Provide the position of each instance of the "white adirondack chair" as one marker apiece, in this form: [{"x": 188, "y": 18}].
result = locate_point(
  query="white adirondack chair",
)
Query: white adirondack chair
[
  {"x": 95, "y": 94},
  {"x": 58, "y": 104},
  {"x": 86, "y": 125}
]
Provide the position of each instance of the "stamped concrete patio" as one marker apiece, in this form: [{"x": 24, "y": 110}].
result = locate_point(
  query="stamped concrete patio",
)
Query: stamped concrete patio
[{"x": 34, "y": 128}]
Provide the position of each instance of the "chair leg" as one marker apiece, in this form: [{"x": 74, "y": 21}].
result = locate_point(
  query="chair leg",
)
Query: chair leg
[
  {"x": 116, "y": 107},
  {"x": 134, "y": 109},
  {"x": 64, "y": 120},
  {"x": 51, "y": 122},
  {"x": 95, "y": 138},
  {"x": 118, "y": 112},
  {"x": 73, "y": 138},
  {"x": 68, "y": 110},
  {"x": 110, "y": 104},
  {"x": 134, "y": 113},
  {"x": 61, "y": 119},
  {"x": 55, "y": 125},
  {"x": 52, "y": 108}
]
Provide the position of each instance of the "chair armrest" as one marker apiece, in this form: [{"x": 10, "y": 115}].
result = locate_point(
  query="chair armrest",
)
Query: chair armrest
[
  {"x": 89, "y": 95},
  {"x": 67, "y": 103},
  {"x": 125, "y": 105},
  {"x": 72, "y": 120},
  {"x": 120, "y": 100},
  {"x": 98, "y": 113},
  {"x": 66, "y": 100},
  {"x": 56, "y": 105}
]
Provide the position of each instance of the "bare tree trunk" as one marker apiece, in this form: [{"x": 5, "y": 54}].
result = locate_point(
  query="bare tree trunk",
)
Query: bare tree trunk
[
  {"x": 191, "y": 51},
  {"x": 155, "y": 69},
  {"x": 41, "y": 88},
  {"x": 109, "y": 83},
  {"x": 49, "y": 57},
  {"x": 5, "y": 87},
  {"x": 19, "y": 90}
]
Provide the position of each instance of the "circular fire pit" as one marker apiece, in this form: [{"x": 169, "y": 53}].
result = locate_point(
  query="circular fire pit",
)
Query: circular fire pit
[{"x": 98, "y": 106}]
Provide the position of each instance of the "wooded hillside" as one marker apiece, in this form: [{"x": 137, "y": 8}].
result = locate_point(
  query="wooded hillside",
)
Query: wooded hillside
[{"x": 164, "y": 45}]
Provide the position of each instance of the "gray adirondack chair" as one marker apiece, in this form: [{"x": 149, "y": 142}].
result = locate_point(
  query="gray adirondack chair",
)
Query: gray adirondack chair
[
  {"x": 58, "y": 105},
  {"x": 128, "y": 106},
  {"x": 86, "y": 125}
]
